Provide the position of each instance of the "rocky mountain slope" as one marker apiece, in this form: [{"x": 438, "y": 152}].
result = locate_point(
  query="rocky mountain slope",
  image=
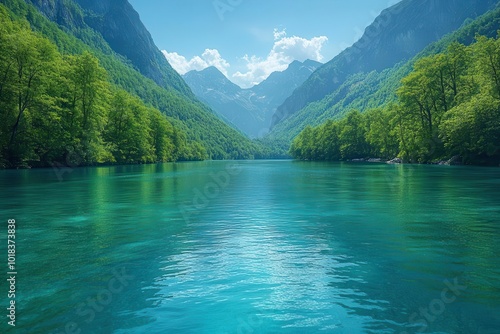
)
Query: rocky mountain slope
[
  {"x": 250, "y": 110},
  {"x": 121, "y": 27},
  {"x": 397, "y": 35}
]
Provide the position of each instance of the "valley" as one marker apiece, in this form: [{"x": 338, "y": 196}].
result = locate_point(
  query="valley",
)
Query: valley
[{"x": 220, "y": 167}]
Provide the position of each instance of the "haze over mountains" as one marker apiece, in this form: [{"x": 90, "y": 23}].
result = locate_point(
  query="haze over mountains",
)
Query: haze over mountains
[
  {"x": 357, "y": 78},
  {"x": 250, "y": 110},
  {"x": 209, "y": 112},
  {"x": 396, "y": 36}
]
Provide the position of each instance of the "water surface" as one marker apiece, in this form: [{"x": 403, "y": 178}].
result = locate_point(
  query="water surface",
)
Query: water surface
[{"x": 256, "y": 247}]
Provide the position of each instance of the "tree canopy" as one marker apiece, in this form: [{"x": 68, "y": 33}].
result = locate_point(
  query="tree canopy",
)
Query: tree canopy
[
  {"x": 448, "y": 105},
  {"x": 59, "y": 108}
]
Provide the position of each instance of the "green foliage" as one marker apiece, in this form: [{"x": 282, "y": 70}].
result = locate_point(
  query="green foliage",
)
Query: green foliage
[
  {"x": 205, "y": 134},
  {"x": 432, "y": 89},
  {"x": 353, "y": 144},
  {"x": 59, "y": 109},
  {"x": 127, "y": 119},
  {"x": 381, "y": 134},
  {"x": 365, "y": 91},
  {"x": 304, "y": 146},
  {"x": 448, "y": 105},
  {"x": 472, "y": 129},
  {"x": 27, "y": 61},
  {"x": 487, "y": 50}
]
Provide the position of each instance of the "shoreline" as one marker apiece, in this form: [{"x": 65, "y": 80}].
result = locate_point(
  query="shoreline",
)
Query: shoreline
[{"x": 395, "y": 161}]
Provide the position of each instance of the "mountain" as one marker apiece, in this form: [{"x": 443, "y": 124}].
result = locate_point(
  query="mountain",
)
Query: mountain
[
  {"x": 112, "y": 31},
  {"x": 396, "y": 35},
  {"x": 121, "y": 27},
  {"x": 231, "y": 103},
  {"x": 445, "y": 106},
  {"x": 206, "y": 80},
  {"x": 250, "y": 110},
  {"x": 280, "y": 85}
]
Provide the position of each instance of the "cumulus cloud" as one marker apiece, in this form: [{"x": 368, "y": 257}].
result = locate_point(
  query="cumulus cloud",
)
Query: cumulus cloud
[
  {"x": 210, "y": 57},
  {"x": 255, "y": 69},
  {"x": 279, "y": 34},
  {"x": 284, "y": 51}
]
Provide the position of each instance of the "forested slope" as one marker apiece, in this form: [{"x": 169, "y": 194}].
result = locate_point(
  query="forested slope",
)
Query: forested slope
[
  {"x": 61, "y": 110},
  {"x": 447, "y": 106},
  {"x": 186, "y": 114},
  {"x": 365, "y": 91}
]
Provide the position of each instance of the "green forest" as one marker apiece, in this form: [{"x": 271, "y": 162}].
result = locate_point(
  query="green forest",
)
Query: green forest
[
  {"x": 375, "y": 89},
  {"x": 63, "y": 109},
  {"x": 67, "y": 98},
  {"x": 192, "y": 130},
  {"x": 448, "y": 106}
]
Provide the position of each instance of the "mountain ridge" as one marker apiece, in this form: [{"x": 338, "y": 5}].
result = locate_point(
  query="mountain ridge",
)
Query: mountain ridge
[
  {"x": 61, "y": 22},
  {"x": 364, "y": 91},
  {"x": 121, "y": 27},
  {"x": 248, "y": 109},
  {"x": 397, "y": 34}
]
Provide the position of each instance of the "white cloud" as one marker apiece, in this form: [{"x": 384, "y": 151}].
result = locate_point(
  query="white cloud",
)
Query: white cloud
[
  {"x": 210, "y": 57},
  {"x": 256, "y": 69},
  {"x": 279, "y": 34},
  {"x": 284, "y": 51}
]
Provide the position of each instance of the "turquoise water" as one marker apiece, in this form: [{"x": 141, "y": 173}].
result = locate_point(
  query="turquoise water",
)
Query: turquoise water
[{"x": 255, "y": 247}]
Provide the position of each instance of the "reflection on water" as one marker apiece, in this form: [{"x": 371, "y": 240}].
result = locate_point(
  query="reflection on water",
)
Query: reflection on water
[{"x": 273, "y": 247}]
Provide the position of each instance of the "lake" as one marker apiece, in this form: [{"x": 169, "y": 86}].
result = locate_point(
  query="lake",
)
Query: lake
[{"x": 254, "y": 247}]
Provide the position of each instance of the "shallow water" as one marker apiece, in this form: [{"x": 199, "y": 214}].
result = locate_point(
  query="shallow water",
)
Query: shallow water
[{"x": 255, "y": 247}]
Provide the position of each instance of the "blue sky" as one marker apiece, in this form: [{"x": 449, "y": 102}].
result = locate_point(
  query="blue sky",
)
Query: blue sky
[{"x": 249, "y": 39}]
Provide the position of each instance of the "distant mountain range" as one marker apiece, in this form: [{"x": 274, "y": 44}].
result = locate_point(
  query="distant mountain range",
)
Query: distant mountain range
[
  {"x": 397, "y": 35},
  {"x": 250, "y": 110},
  {"x": 202, "y": 104}
]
